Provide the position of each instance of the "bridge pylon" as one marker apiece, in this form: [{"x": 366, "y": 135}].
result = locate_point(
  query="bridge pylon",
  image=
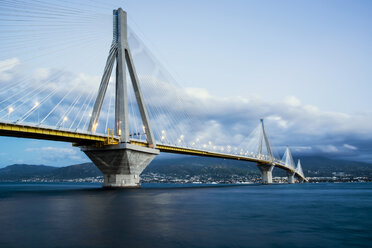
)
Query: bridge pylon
[
  {"x": 122, "y": 163},
  {"x": 289, "y": 162},
  {"x": 300, "y": 172},
  {"x": 265, "y": 168}
]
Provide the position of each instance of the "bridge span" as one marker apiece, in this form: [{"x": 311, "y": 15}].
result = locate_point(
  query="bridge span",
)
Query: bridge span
[{"x": 81, "y": 139}]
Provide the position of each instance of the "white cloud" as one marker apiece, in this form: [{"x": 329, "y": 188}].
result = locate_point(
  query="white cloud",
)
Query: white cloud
[
  {"x": 42, "y": 73},
  {"x": 52, "y": 149},
  {"x": 350, "y": 147},
  {"x": 301, "y": 148},
  {"x": 57, "y": 154},
  {"x": 292, "y": 101},
  {"x": 278, "y": 120},
  {"x": 198, "y": 93},
  {"x": 329, "y": 148},
  {"x": 7, "y": 68}
]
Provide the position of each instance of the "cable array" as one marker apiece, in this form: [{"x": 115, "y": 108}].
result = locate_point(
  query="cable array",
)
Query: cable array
[
  {"x": 176, "y": 118},
  {"x": 42, "y": 48}
]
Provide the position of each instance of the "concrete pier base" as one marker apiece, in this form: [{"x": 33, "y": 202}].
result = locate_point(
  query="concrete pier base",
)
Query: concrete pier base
[
  {"x": 121, "y": 181},
  {"x": 266, "y": 170},
  {"x": 291, "y": 177},
  {"x": 121, "y": 164}
]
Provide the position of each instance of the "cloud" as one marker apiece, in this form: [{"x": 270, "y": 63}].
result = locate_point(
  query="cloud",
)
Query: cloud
[
  {"x": 292, "y": 101},
  {"x": 350, "y": 147},
  {"x": 198, "y": 93},
  {"x": 7, "y": 68},
  {"x": 42, "y": 74},
  {"x": 329, "y": 148},
  {"x": 69, "y": 151},
  {"x": 279, "y": 120},
  {"x": 57, "y": 154},
  {"x": 301, "y": 148}
]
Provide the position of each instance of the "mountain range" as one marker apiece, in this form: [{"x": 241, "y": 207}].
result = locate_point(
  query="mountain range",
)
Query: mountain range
[{"x": 182, "y": 166}]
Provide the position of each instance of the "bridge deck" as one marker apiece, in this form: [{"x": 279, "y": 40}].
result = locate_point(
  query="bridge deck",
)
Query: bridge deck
[
  {"x": 80, "y": 139},
  {"x": 26, "y": 131},
  {"x": 196, "y": 152}
]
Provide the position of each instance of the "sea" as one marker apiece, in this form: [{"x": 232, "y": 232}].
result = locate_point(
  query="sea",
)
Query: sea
[{"x": 186, "y": 215}]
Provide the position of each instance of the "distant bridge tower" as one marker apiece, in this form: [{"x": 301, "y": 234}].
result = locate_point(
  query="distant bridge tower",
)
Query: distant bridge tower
[
  {"x": 121, "y": 164},
  {"x": 267, "y": 167},
  {"x": 289, "y": 162},
  {"x": 300, "y": 172}
]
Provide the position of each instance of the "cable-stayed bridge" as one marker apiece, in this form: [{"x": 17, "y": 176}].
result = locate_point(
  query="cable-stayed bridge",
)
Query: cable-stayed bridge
[{"x": 120, "y": 128}]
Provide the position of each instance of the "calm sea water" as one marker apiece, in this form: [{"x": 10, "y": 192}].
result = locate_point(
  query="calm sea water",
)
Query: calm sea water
[{"x": 84, "y": 215}]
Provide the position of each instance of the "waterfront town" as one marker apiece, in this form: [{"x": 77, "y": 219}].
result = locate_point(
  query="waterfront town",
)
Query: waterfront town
[{"x": 234, "y": 179}]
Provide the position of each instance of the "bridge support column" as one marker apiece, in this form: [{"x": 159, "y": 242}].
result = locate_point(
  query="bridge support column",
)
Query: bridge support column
[
  {"x": 291, "y": 177},
  {"x": 266, "y": 171},
  {"x": 121, "y": 164}
]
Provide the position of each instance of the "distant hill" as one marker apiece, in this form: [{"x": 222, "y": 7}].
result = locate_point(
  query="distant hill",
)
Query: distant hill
[
  {"x": 23, "y": 171},
  {"x": 182, "y": 166},
  {"x": 18, "y": 172},
  {"x": 192, "y": 166},
  {"x": 74, "y": 171}
]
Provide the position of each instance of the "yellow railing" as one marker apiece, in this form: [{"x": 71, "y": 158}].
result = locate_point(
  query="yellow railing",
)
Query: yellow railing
[{"x": 111, "y": 140}]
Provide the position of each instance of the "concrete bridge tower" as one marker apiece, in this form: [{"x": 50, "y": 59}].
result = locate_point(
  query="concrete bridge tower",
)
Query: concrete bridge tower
[
  {"x": 288, "y": 159},
  {"x": 122, "y": 163},
  {"x": 265, "y": 168}
]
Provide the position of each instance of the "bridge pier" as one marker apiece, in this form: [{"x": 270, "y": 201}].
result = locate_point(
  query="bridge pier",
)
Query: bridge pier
[
  {"x": 266, "y": 173},
  {"x": 291, "y": 177},
  {"x": 121, "y": 164}
]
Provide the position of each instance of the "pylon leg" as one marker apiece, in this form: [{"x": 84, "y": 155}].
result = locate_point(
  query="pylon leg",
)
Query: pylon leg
[
  {"x": 266, "y": 173},
  {"x": 291, "y": 177}
]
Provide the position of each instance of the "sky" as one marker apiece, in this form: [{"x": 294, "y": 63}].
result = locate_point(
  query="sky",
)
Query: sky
[{"x": 304, "y": 66}]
